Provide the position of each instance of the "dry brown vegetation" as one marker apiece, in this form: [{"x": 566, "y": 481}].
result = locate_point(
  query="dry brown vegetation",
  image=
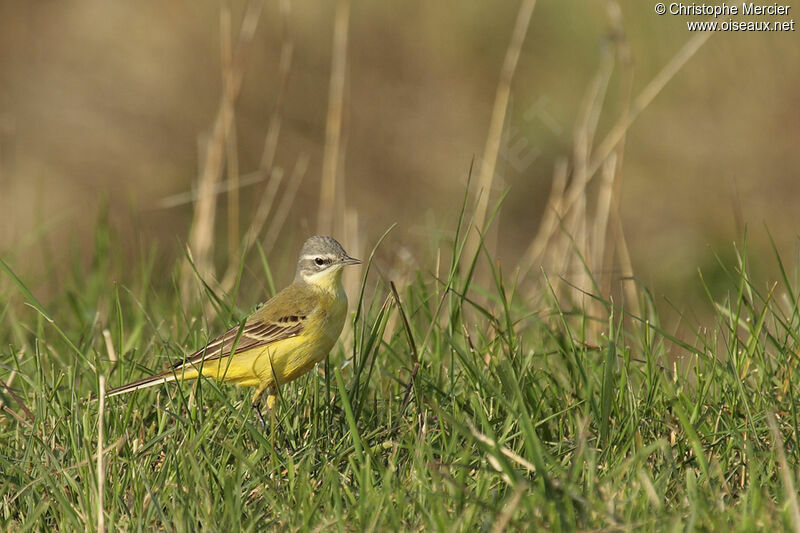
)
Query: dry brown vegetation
[{"x": 348, "y": 117}]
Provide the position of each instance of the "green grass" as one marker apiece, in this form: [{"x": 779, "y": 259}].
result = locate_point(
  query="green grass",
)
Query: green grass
[{"x": 520, "y": 415}]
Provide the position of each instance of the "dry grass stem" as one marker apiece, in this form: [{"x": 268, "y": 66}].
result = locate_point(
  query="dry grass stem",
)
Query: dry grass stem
[
  {"x": 112, "y": 353},
  {"x": 284, "y": 67},
  {"x": 508, "y": 509},
  {"x": 644, "y": 99},
  {"x": 580, "y": 219},
  {"x": 605, "y": 198},
  {"x": 266, "y": 165},
  {"x": 201, "y": 233},
  {"x": 12, "y": 375},
  {"x": 231, "y": 157},
  {"x": 14, "y": 396},
  {"x": 101, "y": 473},
  {"x": 495, "y": 134},
  {"x": 550, "y": 220},
  {"x": 222, "y": 187},
  {"x": 785, "y": 472},
  {"x": 564, "y": 240},
  {"x": 282, "y": 212},
  {"x": 352, "y": 276},
  {"x": 333, "y": 127},
  {"x": 257, "y": 223},
  {"x": 618, "y": 243}
]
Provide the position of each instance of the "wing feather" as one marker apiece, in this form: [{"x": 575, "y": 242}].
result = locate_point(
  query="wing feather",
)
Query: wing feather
[{"x": 283, "y": 317}]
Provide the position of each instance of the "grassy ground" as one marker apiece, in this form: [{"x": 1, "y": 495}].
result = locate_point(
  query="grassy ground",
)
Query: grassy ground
[{"x": 518, "y": 415}]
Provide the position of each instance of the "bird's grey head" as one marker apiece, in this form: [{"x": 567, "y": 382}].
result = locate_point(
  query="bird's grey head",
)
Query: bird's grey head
[{"x": 321, "y": 254}]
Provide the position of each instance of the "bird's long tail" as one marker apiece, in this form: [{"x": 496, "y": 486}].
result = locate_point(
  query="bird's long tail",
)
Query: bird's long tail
[{"x": 166, "y": 377}]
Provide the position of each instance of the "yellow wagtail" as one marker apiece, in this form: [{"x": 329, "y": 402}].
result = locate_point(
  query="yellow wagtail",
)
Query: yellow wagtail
[{"x": 283, "y": 339}]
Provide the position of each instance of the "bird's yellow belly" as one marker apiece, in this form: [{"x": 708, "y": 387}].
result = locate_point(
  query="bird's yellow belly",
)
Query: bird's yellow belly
[{"x": 289, "y": 359}]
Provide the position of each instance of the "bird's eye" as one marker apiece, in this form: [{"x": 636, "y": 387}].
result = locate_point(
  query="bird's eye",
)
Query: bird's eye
[{"x": 319, "y": 261}]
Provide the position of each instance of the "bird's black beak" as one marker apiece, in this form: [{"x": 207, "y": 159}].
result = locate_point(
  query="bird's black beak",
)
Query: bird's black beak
[{"x": 347, "y": 260}]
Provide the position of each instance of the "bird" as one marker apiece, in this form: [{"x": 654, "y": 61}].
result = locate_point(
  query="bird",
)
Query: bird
[{"x": 283, "y": 339}]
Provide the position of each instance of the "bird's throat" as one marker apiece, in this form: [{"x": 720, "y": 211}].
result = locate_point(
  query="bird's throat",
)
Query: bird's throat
[{"x": 329, "y": 281}]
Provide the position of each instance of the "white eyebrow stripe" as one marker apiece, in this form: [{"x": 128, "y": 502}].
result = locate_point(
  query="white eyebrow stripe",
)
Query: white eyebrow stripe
[{"x": 314, "y": 256}]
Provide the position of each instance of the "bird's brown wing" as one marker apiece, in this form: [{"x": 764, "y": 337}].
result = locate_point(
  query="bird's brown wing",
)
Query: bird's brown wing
[{"x": 282, "y": 317}]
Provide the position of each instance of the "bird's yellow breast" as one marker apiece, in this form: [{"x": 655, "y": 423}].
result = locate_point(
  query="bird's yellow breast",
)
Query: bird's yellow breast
[{"x": 290, "y": 358}]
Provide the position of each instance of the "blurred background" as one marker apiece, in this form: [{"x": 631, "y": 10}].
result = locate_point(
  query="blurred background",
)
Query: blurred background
[{"x": 108, "y": 107}]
